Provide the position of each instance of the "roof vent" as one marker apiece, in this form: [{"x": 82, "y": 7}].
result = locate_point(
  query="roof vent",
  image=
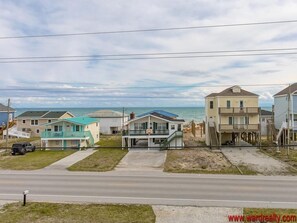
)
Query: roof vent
[{"x": 236, "y": 89}]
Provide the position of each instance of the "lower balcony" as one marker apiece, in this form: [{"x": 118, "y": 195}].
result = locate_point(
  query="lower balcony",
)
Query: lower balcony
[
  {"x": 82, "y": 135},
  {"x": 239, "y": 127}
]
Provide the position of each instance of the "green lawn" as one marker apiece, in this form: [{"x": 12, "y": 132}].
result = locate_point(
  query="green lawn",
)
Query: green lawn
[
  {"x": 287, "y": 213},
  {"x": 105, "y": 159},
  {"x": 76, "y": 213},
  {"x": 110, "y": 141},
  {"x": 32, "y": 160}
]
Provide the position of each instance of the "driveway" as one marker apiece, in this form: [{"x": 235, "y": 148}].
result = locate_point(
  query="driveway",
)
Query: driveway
[
  {"x": 252, "y": 158},
  {"x": 142, "y": 161}
]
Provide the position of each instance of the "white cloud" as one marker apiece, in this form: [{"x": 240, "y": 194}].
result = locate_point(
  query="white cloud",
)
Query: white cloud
[{"x": 69, "y": 81}]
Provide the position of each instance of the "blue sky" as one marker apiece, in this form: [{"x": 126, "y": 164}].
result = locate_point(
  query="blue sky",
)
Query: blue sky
[{"x": 167, "y": 82}]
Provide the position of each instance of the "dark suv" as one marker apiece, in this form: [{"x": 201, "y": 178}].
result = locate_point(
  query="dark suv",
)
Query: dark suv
[{"x": 22, "y": 148}]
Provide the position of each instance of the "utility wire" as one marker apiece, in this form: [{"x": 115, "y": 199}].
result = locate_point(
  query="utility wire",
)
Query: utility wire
[
  {"x": 138, "y": 87},
  {"x": 149, "y": 58},
  {"x": 147, "y": 30},
  {"x": 149, "y": 54}
]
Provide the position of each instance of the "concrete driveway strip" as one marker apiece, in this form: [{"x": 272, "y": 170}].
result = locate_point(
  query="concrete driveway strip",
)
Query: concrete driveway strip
[
  {"x": 70, "y": 160},
  {"x": 162, "y": 189},
  {"x": 142, "y": 161}
]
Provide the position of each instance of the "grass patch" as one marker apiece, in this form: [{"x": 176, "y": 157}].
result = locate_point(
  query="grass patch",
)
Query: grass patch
[
  {"x": 110, "y": 141},
  {"x": 270, "y": 211},
  {"x": 32, "y": 160},
  {"x": 76, "y": 213},
  {"x": 247, "y": 171},
  {"x": 105, "y": 159},
  {"x": 198, "y": 161}
]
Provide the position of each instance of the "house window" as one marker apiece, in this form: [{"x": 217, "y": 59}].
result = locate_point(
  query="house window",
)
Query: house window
[
  {"x": 161, "y": 126},
  {"x": 23, "y": 129},
  {"x": 58, "y": 128},
  {"x": 179, "y": 127},
  {"x": 228, "y": 104},
  {"x": 241, "y": 104},
  {"x": 77, "y": 128},
  {"x": 34, "y": 122},
  {"x": 211, "y": 104},
  {"x": 37, "y": 130},
  {"x": 247, "y": 120},
  {"x": 138, "y": 126},
  {"x": 24, "y": 121},
  {"x": 230, "y": 121},
  {"x": 172, "y": 127},
  {"x": 49, "y": 121},
  {"x": 49, "y": 130}
]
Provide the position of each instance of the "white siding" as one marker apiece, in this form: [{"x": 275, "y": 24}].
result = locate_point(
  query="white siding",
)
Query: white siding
[{"x": 107, "y": 123}]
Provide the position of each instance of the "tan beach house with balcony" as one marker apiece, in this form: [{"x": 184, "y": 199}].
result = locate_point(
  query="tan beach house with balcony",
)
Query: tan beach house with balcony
[
  {"x": 33, "y": 122},
  {"x": 71, "y": 132},
  {"x": 232, "y": 116},
  {"x": 157, "y": 129}
]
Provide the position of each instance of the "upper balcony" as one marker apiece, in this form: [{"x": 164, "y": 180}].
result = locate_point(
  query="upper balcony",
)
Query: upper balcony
[
  {"x": 63, "y": 134},
  {"x": 239, "y": 111},
  {"x": 145, "y": 132}
]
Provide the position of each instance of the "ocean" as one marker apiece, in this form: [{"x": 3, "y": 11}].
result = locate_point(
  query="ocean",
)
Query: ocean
[{"x": 187, "y": 113}]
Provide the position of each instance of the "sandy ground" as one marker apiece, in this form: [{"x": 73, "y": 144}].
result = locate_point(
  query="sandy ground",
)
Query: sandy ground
[
  {"x": 196, "y": 159},
  {"x": 172, "y": 214},
  {"x": 256, "y": 161},
  {"x": 190, "y": 140}
]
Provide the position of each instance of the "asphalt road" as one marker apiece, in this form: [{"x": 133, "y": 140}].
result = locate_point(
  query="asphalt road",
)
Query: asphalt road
[{"x": 151, "y": 188}]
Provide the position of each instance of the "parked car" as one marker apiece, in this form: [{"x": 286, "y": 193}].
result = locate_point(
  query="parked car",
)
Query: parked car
[{"x": 22, "y": 148}]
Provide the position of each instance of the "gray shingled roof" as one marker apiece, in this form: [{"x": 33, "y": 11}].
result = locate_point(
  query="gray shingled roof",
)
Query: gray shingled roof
[
  {"x": 293, "y": 88},
  {"x": 5, "y": 108},
  {"x": 229, "y": 92},
  {"x": 32, "y": 114},
  {"x": 54, "y": 114}
]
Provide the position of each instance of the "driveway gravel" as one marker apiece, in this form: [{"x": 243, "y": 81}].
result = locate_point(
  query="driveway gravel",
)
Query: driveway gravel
[
  {"x": 255, "y": 160},
  {"x": 172, "y": 214}
]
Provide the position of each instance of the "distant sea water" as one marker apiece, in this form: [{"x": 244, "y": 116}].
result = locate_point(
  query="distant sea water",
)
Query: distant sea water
[{"x": 187, "y": 113}]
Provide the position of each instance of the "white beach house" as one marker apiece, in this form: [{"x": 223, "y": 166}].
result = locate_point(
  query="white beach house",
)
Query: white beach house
[{"x": 154, "y": 130}]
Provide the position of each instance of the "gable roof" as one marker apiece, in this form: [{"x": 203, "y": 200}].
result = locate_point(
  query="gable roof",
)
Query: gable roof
[
  {"x": 76, "y": 120},
  {"x": 229, "y": 92},
  {"x": 5, "y": 108},
  {"x": 81, "y": 120},
  {"x": 160, "y": 112},
  {"x": 292, "y": 88},
  {"x": 265, "y": 112},
  {"x": 107, "y": 114},
  {"x": 56, "y": 114},
  {"x": 32, "y": 114},
  {"x": 44, "y": 114}
]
